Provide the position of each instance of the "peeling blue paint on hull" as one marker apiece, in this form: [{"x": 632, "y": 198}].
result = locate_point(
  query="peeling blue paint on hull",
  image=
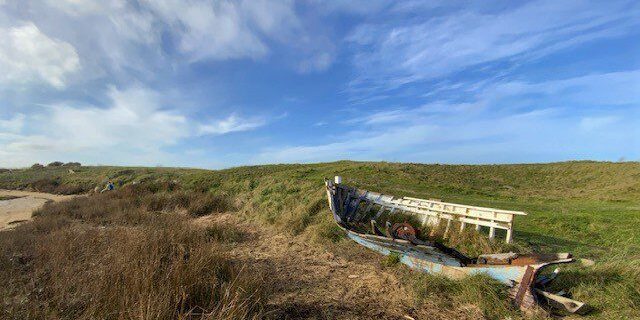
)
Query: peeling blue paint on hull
[{"x": 419, "y": 260}]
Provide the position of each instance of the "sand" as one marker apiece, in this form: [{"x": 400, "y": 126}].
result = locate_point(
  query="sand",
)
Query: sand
[{"x": 17, "y": 210}]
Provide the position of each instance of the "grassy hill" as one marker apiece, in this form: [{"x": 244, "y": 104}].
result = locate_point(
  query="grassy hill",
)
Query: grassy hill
[
  {"x": 583, "y": 207},
  {"x": 591, "y": 209}
]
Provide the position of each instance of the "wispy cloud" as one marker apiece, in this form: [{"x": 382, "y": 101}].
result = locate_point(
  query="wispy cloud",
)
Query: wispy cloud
[
  {"x": 12, "y": 125},
  {"x": 233, "y": 123},
  {"x": 528, "y": 121},
  {"x": 596, "y": 123},
  {"x": 391, "y": 55}
]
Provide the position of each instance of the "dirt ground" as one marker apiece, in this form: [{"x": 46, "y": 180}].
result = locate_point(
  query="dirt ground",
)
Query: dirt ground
[
  {"x": 19, "y": 209},
  {"x": 307, "y": 281}
]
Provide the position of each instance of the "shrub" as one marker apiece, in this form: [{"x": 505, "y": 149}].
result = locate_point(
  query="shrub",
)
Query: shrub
[
  {"x": 72, "y": 164},
  {"x": 55, "y": 164},
  {"x": 45, "y": 185},
  {"x": 37, "y": 166}
]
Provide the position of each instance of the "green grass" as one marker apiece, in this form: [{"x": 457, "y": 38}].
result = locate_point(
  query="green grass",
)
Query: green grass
[
  {"x": 583, "y": 207},
  {"x": 591, "y": 209}
]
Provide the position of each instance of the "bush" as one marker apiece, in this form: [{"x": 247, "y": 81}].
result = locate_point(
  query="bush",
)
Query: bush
[
  {"x": 49, "y": 185},
  {"x": 55, "y": 164},
  {"x": 72, "y": 164},
  {"x": 45, "y": 185},
  {"x": 37, "y": 166}
]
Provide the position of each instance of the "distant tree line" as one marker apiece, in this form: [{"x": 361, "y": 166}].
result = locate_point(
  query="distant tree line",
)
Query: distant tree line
[{"x": 56, "y": 164}]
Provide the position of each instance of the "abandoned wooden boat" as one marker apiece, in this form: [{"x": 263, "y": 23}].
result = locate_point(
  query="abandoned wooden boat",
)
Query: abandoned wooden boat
[{"x": 356, "y": 211}]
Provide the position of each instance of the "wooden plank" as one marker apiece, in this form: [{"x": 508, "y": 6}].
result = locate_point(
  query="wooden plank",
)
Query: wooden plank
[
  {"x": 492, "y": 231},
  {"x": 485, "y": 223},
  {"x": 509, "y": 237},
  {"x": 520, "y": 213},
  {"x": 447, "y": 228},
  {"x": 484, "y": 215},
  {"x": 432, "y": 211},
  {"x": 524, "y": 285}
]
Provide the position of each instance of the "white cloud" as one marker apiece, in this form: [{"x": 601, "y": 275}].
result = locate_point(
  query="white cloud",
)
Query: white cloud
[
  {"x": 233, "y": 123},
  {"x": 28, "y": 55},
  {"x": 208, "y": 29},
  {"x": 135, "y": 127},
  {"x": 221, "y": 30},
  {"x": 133, "y": 121}
]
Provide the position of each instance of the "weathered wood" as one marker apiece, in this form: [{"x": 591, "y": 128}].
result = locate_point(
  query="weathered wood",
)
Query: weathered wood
[
  {"x": 433, "y": 210},
  {"x": 492, "y": 231},
  {"x": 563, "y": 303},
  {"x": 509, "y": 237},
  {"x": 447, "y": 228}
]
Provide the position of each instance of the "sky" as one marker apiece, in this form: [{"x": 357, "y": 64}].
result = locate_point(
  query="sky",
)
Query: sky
[{"x": 215, "y": 84}]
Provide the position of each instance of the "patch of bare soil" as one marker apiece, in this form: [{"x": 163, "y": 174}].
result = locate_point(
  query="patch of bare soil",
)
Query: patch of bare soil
[
  {"x": 310, "y": 282},
  {"x": 21, "y": 204}
]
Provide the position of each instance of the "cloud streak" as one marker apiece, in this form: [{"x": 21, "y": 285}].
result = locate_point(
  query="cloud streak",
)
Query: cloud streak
[
  {"x": 526, "y": 121},
  {"x": 391, "y": 55},
  {"x": 233, "y": 123}
]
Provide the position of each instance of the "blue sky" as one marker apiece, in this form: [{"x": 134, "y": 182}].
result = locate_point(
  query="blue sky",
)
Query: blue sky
[{"x": 224, "y": 83}]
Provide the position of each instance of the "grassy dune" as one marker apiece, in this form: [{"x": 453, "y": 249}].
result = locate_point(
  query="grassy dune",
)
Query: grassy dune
[{"x": 591, "y": 209}]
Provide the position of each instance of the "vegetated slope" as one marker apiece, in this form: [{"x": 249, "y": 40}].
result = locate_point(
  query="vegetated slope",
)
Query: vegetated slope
[
  {"x": 564, "y": 180},
  {"x": 572, "y": 205},
  {"x": 589, "y": 208}
]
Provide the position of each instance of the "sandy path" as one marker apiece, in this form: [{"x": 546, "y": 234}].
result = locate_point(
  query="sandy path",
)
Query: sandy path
[
  {"x": 20, "y": 209},
  {"x": 310, "y": 282}
]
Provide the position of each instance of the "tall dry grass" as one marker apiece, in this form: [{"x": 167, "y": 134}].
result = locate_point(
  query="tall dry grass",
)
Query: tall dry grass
[{"x": 123, "y": 255}]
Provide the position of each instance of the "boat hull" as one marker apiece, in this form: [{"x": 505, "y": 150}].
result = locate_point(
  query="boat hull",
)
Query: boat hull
[{"x": 521, "y": 275}]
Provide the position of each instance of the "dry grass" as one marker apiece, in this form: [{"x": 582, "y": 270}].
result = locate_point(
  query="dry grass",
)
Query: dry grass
[
  {"x": 49, "y": 185},
  {"x": 108, "y": 257},
  {"x": 573, "y": 206},
  {"x": 3, "y": 198}
]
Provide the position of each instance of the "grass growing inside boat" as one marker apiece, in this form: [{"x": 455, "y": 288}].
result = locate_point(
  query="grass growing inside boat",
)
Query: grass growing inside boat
[{"x": 591, "y": 209}]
